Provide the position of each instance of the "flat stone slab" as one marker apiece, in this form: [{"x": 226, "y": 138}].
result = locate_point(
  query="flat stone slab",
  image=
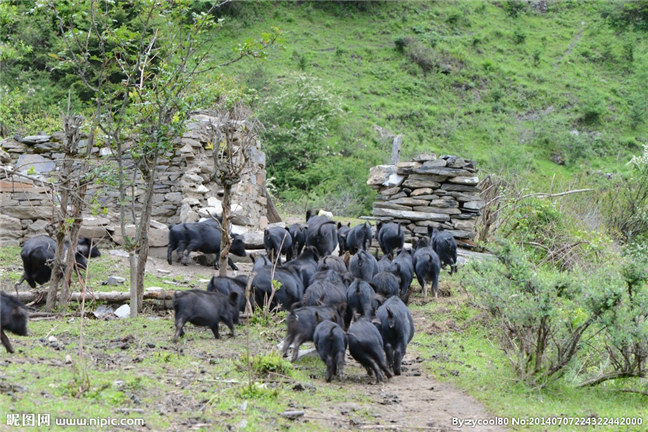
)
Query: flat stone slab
[
  {"x": 34, "y": 163},
  {"x": 411, "y": 215}
]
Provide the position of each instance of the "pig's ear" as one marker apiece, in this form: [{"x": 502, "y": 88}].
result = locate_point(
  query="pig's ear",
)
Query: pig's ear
[
  {"x": 390, "y": 318},
  {"x": 339, "y": 225},
  {"x": 318, "y": 318}
]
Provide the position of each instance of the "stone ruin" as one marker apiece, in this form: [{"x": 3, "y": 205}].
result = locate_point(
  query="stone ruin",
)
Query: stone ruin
[
  {"x": 428, "y": 191},
  {"x": 183, "y": 191}
]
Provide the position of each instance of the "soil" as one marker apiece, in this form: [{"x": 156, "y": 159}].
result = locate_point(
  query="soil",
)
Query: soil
[{"x": 412, "y": 401}]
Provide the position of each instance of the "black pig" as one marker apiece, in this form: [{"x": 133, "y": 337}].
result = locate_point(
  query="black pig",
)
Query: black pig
[
  {"x": 331, "y": 344},
  {"x": 397, "y": 330},
  {"x": 204, "y": 308}
]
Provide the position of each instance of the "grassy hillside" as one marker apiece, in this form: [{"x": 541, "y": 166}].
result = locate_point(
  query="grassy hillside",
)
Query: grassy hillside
[
  {"x": 502, "y": 83},
  {"x": 509, "y": 84}
]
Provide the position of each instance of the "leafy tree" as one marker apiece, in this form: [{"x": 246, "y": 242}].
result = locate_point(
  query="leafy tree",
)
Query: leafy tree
[{"x": 139, "y": 64}]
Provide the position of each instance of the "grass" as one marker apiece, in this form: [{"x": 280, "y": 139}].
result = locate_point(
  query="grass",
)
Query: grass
[
  {"x": 462, "y": 348},
  {"x": 516, "y": 88},
  {"x": 135, "y": 371}
]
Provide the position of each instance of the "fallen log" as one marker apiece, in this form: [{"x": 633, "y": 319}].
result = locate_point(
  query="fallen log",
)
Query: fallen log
[{"x": 36, "y": 297}]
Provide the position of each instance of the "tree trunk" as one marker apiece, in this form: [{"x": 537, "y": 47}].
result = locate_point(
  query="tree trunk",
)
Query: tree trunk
[
  {"x": 225, "y": 238},
  {"x": 134, "y": 303},
  {"x": 57, "y": 262},
  {"x": 141, "y": 239},
  {"x": 272, "y": 213}
]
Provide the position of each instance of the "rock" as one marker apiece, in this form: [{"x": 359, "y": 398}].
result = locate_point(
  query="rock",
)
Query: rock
[
  {"x": 35, "y": 139},
  {"x": 424, "y": 157},
  {"x": 192, "y": 201},
  {"x": 421, "y": 191},
  {"x": 473, "y": 205},
  {"x": 454, "y": 161},
  {"x": 105, "y": 152},
  {"x": 68, "y": 359},
  {"x": 459, "y": 187},
  {"x": 445, "y": 210},
  {"x": 406, "y": 167},
  {"x": 157, "y": 237},
  {"x": 202, "y": 189},
  {"x": 123, "y": 311},
  {"x": 441, "y": 171},
  {"x": 420, "y": 183},
  {"x": 118, "y": 253},
  {"x": 557, "y": 159},
  {"x": 12, "y": 146},
  {"x": 409, "y": 201},
  {"x": 411, "y": 215},
  {"x": 443, "y": 203},
  {"x": 173, "y": 197},
  {"x": 38, "y": 227},
  {"x": 380, "y": 174},
  {"x": 10, "y": 230},
  {"x": 390, "y": 205},
  {"x": 103, "y": 311},
  {"x": 4, "y": 156},
  {"x": 115, "y": 280},
  {"x": 28, "y": 211},
  {"x": 465, "y": 225},
  {"x": 210, "y": 212},
  {"x": 214, "y": 202},
  {"x": 461, "y": 234},
  {"x": 389, "y": 191},
  {"x": 187, "y": 214},
  {"x": 393, "y": 180},
  {"x": 33, "y": 163},
  {"x": 465, "y": 180},
  {"x": 253, "y": 239}
]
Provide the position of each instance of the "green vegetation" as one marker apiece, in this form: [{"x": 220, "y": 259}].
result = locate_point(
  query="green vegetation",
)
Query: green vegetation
[
  {"x": 460, "y": 348},
  {"x": 504, "y": 83}
]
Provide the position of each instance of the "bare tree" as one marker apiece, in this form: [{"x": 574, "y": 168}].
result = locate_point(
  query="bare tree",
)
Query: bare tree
[
  {"x": 71, "y": 185},
  {"x": 233, "y": 140}
]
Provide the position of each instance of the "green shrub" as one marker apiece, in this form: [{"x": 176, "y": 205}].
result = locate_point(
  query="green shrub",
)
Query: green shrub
[
  {"x": 592, "y": 107},
  {"x": 540, "y": 314},
  {"x": 297, "y": 120},
  {"x": 624, "y": 202}
]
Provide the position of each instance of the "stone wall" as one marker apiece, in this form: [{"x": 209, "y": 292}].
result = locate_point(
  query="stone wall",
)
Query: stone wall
[
  {"x": 428, "y": 191},
  {"x": 183, "y": 192}
]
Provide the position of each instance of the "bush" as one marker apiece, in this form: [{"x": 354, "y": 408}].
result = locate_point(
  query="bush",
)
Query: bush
[
  {"x": 625, "y": 327},
  {"x": 540, "y": 314},
  {"x": 624, "y": 202},
  {"x": 592, "y": 107},
  {"x": 297, "y": 121}
]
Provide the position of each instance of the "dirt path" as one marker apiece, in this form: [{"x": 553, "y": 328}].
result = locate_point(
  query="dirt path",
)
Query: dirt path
[{"x": 412, "y": 401}]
